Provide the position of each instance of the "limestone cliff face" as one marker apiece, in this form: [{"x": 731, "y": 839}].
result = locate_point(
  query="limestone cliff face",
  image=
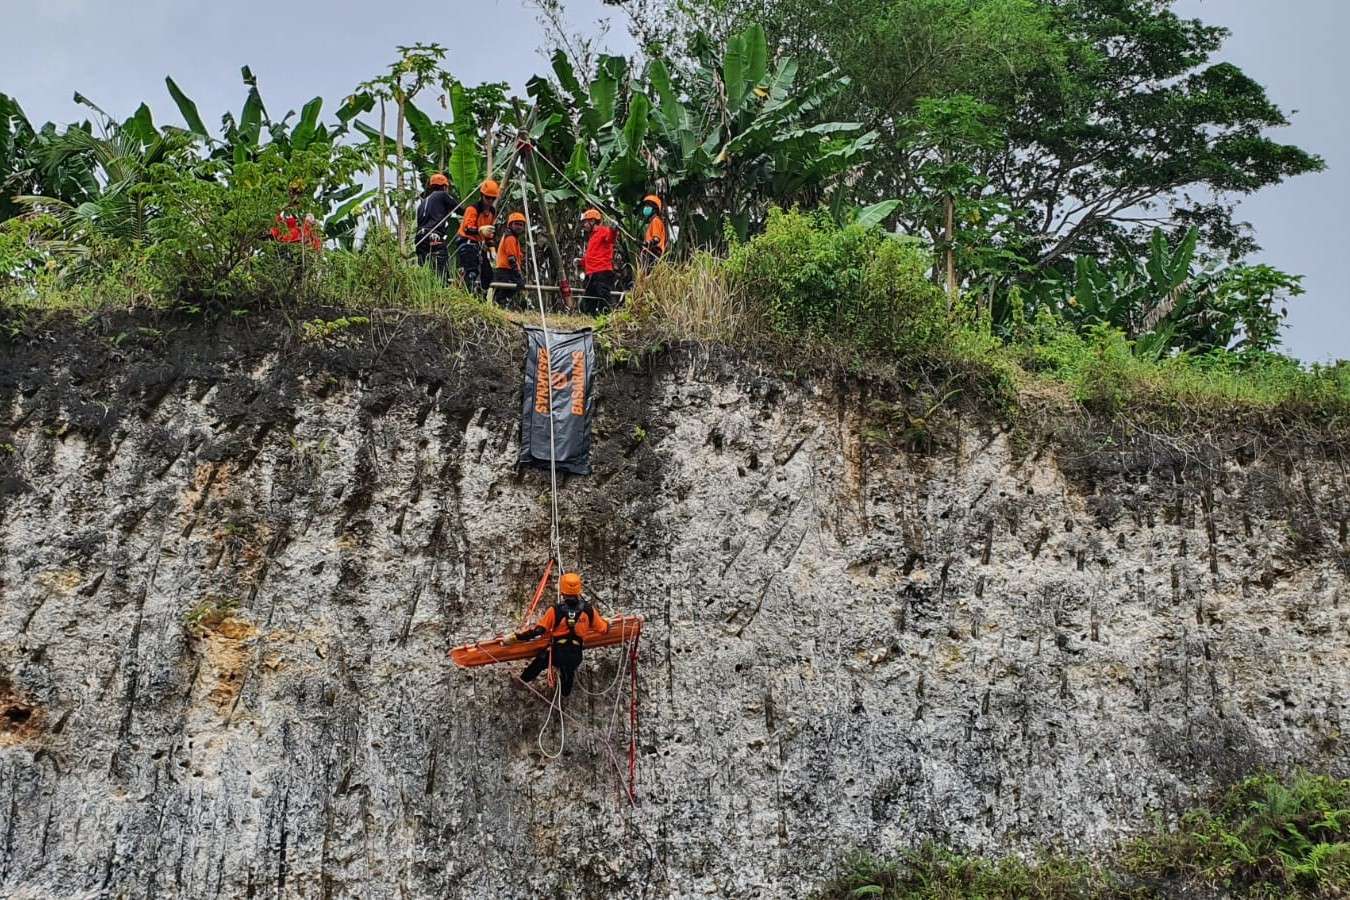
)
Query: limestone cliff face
[{"x": 231, "y": 565}]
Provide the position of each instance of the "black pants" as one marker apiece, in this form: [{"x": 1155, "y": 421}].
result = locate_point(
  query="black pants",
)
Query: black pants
[
  {"x": 437, "y": 254},
  {"x": 474, "y": 270},
  {"x": 566, "y": 659},
  {"x": 596, "y": 293},
  {"x": 507, "y": 296}
]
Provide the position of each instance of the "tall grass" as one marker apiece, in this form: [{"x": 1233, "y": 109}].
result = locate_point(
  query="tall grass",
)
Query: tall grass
[{"x": 693, "y": 301}]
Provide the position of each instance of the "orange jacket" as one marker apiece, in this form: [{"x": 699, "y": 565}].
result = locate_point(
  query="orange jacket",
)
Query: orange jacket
[
  {"x": 473, "y": 220},
  {"x": 589, "y": 623},
  {"x": 656, "y": 235},
  {"x": 509, "y": 255}
]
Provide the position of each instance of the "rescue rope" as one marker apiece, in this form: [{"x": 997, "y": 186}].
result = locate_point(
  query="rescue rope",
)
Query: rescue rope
[
  {"x": 564, "y": 714},
  {"x": 548, "y": 376},
  {"x": 633, "y": 720},
  {"x": 583, "y": 192},
  {"x": 554, "y": 704}
]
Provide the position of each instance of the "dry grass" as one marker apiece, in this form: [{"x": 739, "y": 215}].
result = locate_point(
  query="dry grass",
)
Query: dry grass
[{"x": 695, "y": 301}]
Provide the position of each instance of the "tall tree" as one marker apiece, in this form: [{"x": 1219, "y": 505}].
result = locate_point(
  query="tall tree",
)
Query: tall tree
[
  {"x": 1115, "y": 116},
  {"x": 1140, "y": 128}
]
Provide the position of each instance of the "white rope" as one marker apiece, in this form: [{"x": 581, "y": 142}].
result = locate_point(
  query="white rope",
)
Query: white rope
[
  {"x": 444, "y": 220},
  {"x": 548, "y": 376},
  {"x": 554, "y": 704},
  {"x": 589, "y": 197},
  {"x": 563, "y": 714}
]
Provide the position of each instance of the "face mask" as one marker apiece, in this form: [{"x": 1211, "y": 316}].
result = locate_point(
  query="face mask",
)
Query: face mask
[{"x": 648, "y": 212}]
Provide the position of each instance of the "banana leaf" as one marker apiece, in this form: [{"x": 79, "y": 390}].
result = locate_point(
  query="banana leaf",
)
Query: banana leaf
[
  {"x": 757, "y": 55},
  {"x": 251, "y": 118},
  {"x": 567, "y": 77},
  {"x": 308, "y": 128},
  {"x": 355, "y": 105},
  {"x": 673, "y": 118},
  {"x": 734, "y": 65},
  {"x": 187, "y": 109},
  {"x": 872, "y": 216},
  {"x": 429, "y": 138},
  {"x": 464, "y": 168}
]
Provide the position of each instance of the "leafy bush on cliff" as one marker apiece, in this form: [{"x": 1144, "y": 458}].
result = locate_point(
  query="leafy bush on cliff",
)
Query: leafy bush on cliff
[
  {"x": 1264, "y": 838},
  {"x": 851, "y": 284}
]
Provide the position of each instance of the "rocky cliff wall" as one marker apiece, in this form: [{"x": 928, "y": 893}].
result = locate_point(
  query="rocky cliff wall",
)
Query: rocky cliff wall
[{"x": 231, "y": 564}]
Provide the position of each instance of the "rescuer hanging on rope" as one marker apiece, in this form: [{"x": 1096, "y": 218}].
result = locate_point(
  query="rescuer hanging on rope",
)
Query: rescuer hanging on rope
[
  {"x": 474, "y": 239},
  {"x": 568, "y": 622}
]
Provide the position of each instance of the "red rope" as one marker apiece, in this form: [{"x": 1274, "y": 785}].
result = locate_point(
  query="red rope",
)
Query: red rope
[
  {"x": 538, "y": 594},
  {"x": 633, "y": 721}
]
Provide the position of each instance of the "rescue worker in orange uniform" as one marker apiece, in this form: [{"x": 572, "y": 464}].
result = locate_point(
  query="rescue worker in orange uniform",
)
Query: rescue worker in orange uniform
[
  {"x": 473, "y": 241},
  {"x": 510, "y": 260},
  {"x": 568, "y": 622},
  {"x": 598, "y": 263},
  {"x": 655, "y": 238}
]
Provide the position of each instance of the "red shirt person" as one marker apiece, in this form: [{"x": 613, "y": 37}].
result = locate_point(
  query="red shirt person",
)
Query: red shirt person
[
  {"x": 598, "y": 263},
  {"x": 291, "y": 229}
]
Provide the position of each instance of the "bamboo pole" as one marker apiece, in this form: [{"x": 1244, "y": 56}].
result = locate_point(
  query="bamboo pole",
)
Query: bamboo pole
[
  {"x": 951, "y": 250},
  {"x": 548, "y": 224},
  {"x": 402, "y": 216},
  {"x": 384, "y": 189}
]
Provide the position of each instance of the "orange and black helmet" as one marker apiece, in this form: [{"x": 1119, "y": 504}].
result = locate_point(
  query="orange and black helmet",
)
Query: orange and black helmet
[
  {"x": 515, "y": 217},
  {"x": 490, "y": 188},
  {"x": 654, "y": 201},
  {"x": 439, "y": 180},
  {"x": 592, "y": 215},
  {"x": 570, "y": 584}
]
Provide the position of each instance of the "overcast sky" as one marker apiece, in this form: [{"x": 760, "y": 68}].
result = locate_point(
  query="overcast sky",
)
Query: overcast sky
[{"x": 117, "y": 52}]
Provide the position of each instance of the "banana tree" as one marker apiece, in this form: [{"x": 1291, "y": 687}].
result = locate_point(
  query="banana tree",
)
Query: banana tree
[
  {"x": 732, "y": 136},
  {"x": 1136, "y": 297},
  {"x": 104, "y": 202},
  {"x": 243, "y": 138}
]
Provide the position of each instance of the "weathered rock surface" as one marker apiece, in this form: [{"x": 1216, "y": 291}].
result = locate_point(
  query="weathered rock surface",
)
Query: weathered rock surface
[{"x": 231, "y": 566}]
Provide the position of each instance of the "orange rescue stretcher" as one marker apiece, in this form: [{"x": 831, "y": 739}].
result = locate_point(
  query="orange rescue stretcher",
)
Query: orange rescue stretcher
[{"x": 493, "y": 650}]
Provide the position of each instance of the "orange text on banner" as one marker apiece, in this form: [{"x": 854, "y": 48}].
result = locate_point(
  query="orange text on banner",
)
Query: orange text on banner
[{"x": 579, "y": 383}]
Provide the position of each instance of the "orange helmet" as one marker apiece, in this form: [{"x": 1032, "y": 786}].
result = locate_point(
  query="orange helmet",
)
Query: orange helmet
[
  {"x": 490, "y": 188},
  {"x": 439, "y": 180},
  {"x": 515, "y": 217},
  {"x": 591, "y": 215},
  {"x": 654, "y": 201},
  {"x": 570, "y": 585}
]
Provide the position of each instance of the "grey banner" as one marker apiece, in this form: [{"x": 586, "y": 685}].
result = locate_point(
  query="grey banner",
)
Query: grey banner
[{"x": 570, "y": 361}]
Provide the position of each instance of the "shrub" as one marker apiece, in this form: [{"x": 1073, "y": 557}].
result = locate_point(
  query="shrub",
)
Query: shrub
[
  {"x": 1267, "y": 837},
  {"x": 852, "y": 284},
  {"x": 934, "y": 873},
  {"x": 211, "y": 240},
  {"x": 377, "y": 275},
  {"x": 692, "y": 301}
]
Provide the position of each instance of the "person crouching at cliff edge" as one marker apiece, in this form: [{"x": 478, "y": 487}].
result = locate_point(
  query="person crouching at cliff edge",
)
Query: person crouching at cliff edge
[{"x": 569, "y": 622}]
